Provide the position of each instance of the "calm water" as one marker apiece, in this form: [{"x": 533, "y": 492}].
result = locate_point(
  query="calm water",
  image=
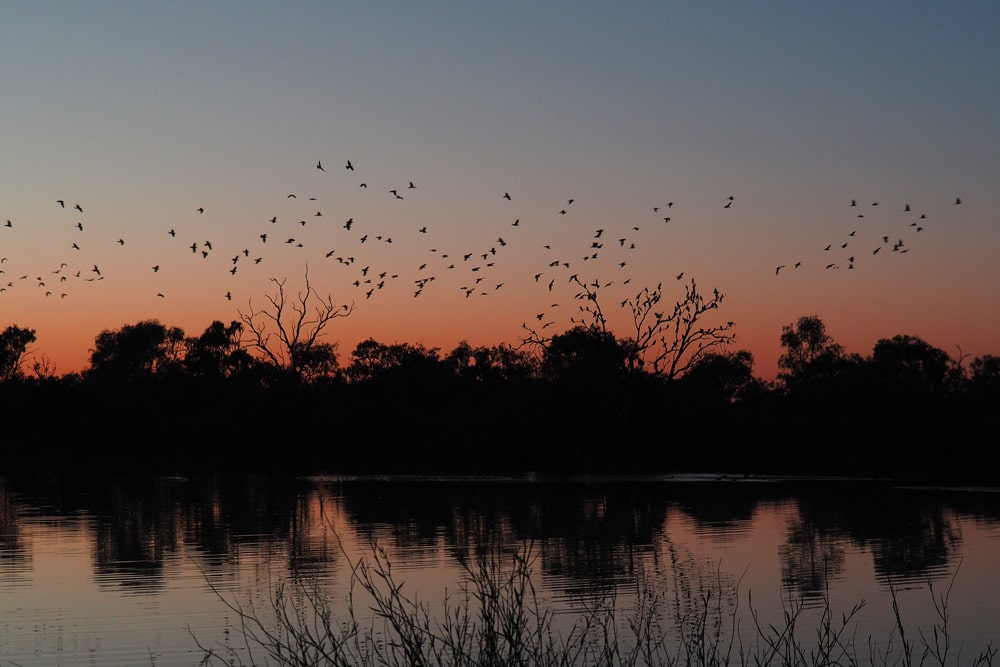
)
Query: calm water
[{"x": 136, "y": 572}]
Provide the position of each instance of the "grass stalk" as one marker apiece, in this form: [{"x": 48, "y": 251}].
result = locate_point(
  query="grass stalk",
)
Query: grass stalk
[{"x": 497, "y": 618}]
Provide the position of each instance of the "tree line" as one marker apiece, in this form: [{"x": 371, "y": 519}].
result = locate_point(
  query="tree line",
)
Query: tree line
[{"x": 268, "y": 392}]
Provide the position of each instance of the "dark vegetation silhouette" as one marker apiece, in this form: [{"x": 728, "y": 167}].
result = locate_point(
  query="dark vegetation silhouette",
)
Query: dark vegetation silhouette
[{"x": 237, "y": 398}]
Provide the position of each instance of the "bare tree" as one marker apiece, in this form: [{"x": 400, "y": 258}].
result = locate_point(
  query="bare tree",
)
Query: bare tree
[
  {"x": 43, "y": 367},
  {"x": 287, "y": 332},
  {"x": 664, "y": 343},
  {"x": 671, "y": 342}
]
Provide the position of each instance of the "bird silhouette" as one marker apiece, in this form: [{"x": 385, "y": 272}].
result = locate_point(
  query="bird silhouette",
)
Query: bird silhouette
[
  {"x": 349, "y": 166},
  {"x": 319, "y": 165}
]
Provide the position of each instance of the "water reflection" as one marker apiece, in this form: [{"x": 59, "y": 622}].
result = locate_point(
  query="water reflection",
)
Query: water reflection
[
  {"x": 586, "y": 531},
  {"x": 591, "y": 536}
]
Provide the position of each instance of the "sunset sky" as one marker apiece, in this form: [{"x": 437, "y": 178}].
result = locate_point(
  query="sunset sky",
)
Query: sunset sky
[{"x": 143, "y": 113}]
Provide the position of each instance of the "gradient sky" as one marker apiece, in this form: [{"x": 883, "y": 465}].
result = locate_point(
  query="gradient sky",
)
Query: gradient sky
[{"x": 143, "y": 112}]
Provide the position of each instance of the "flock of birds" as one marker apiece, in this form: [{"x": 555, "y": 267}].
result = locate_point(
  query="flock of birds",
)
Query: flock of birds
[
  {"x": 349, "y": 243},
  {"x": 889, "y": 242}
]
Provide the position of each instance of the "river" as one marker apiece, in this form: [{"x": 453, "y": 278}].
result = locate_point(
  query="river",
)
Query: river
[{"x": 151, "y": 571}]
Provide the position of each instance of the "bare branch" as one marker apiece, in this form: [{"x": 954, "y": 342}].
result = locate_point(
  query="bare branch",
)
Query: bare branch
[
  {"x": 664, "y": 343},
  {"x": 297, "y": 325}
]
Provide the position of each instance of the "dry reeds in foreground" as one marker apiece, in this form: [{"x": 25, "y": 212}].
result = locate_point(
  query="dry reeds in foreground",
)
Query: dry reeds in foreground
[{"x": 498, "y": 619}]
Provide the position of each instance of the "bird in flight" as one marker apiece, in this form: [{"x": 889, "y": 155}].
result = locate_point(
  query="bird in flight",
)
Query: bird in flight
[
  {"x": 349, "y": 166},
  {"x": 319, "y": 165}
]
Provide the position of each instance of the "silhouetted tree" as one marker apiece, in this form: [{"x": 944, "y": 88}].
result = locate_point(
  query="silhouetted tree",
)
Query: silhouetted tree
[
  {"x": 14, "y": 341},
  {"x": 984, "y": 376},
  {"x": 217, "y": 353},
  {"x": 587, "y": 355},
  {"x": 805, "y": 343},
  {"x": 373, "y": 361},
  {"x": 317, "y": 361},
  {"x": 135, "y": 351},
  {"x": 668, "y": 343},
  {"x": 294, "y": 344},
  {"x": 43, "y": 368},
  {"x": 720, "y": 377},
  {"x": 910, "y": 366},
  {"x": 665, "y": 342},
  {"x": 491, "y": 366},
  {"x": 812, "y": 362}
]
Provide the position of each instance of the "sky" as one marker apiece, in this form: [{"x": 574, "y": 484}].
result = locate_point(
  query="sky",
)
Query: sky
[{"x": 708, "y": 141}]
